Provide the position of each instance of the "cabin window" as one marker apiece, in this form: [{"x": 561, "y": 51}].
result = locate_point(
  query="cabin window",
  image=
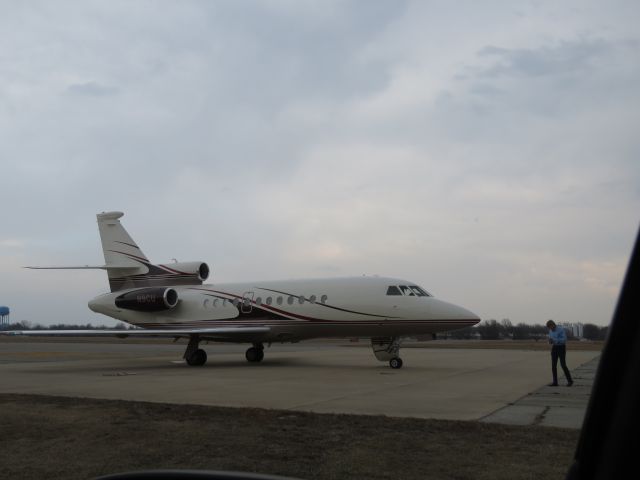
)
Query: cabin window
[
  {"x": 312, "y": 299},
  {"x": 300, "y": 299},
  {"x": 259, "y": 301},
  {"x": 235, "y": 302},
  {"x": 323, "y": 299},
  {"x": 269, "y": 300},
  {"x": 205, "y": 304},
  {"x": 290, "y": 300},
  {"x": 215, "y": 303},
  {"x": 393, "y": 290},
  {"x": 279, "y": 301}
]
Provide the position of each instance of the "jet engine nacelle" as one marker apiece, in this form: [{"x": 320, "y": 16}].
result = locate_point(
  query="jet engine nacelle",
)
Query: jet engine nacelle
[
  {"x": 148, "y": 299},
  {"x": 200, "y": 269}
]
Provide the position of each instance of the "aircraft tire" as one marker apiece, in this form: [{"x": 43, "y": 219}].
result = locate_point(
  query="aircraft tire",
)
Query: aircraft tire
[
  {"x": 254, "y": 354},
  {"x": 395, "y": 362},
  {"x": 197, "y": 358}
]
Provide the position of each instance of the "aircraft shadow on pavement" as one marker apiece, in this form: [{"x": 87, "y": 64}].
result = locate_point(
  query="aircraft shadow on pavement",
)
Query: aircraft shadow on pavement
[{"x": 160, "y": 365}]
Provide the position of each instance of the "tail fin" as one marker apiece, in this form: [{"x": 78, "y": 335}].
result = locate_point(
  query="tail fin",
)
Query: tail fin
[
  {"x": 118, "y": 247},
  {"x": 125, "y": 263},
  {"x": 123, "y": 259},
  {"x": 128, "y": 267}
]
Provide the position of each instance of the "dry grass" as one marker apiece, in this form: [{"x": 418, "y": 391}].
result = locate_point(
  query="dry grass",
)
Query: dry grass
[{"x": 56, "y": 438}]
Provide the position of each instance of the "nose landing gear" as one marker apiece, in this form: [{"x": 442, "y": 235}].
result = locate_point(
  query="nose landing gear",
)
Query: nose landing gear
[
  {"x": 387, "y": 349},
  {"x": 395, "y": 362}
]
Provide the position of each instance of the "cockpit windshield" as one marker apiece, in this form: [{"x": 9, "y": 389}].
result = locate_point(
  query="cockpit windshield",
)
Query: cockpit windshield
[{"x": 407, "y": 290}]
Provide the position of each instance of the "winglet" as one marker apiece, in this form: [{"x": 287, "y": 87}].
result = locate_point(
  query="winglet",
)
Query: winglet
[{"x": 109, "y": 215}]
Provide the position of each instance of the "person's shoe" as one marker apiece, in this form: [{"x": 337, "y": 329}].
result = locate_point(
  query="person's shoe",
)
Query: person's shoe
[
  {"x": 569, "y": 383},
  {"x": 552, "y": 385}
]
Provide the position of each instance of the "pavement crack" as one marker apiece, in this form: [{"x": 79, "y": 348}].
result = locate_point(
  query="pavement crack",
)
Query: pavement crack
[{"x": 540, "y": 417}]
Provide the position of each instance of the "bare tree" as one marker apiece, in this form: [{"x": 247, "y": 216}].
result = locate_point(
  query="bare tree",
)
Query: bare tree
[{"x": 490, "y": 329}]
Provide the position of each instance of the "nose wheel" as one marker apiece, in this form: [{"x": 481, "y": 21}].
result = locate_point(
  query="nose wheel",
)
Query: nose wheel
[
  {"x": 387, "y": 349},
  {"x": 395, "y": 362}
]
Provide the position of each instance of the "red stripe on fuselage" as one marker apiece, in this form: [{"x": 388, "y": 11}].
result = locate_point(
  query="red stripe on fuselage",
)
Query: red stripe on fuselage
[{"x": 283, "y": 312}]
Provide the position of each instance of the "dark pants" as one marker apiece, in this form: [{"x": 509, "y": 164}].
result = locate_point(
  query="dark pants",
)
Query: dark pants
[{"x": 559, "y": 352}]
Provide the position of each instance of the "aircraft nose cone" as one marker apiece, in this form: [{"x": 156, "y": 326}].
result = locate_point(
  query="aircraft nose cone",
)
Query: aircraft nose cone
[
  {"x": 449, "y": 311},
  {"x": 469, "y": 315}
]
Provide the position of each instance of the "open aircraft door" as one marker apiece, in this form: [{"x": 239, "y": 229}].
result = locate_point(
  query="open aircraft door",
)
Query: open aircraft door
[{"x": 247, "y": 302}]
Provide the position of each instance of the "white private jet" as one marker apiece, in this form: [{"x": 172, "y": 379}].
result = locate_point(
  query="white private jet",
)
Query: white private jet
[{"x": 171, "y": 301}]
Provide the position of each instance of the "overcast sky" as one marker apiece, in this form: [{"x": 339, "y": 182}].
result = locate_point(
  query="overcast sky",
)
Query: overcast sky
[{"x": 488, "y": 151}]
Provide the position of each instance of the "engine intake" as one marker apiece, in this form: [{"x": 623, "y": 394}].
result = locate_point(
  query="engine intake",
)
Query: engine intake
[{"x": 148, "y": 299}]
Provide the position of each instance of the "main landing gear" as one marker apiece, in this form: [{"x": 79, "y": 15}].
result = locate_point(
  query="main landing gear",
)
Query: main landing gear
[
  {"x": 197, "y": 358},
  {"x": 194, "y": 356},
  {"x": 387, "y": 349},
  {"x": 255, "y": 353}
]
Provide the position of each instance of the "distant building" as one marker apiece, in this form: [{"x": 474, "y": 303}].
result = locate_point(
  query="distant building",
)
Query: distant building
[{"x": 575, "y": 329}]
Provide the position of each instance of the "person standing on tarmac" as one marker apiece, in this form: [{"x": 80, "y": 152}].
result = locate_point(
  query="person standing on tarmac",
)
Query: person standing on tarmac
[{"x": 558, "y": 341}]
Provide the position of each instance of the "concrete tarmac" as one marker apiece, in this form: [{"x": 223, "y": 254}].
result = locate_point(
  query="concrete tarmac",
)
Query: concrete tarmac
[
  {"x": 552, "y": 406},
  {"x": 456, "y": 384}
]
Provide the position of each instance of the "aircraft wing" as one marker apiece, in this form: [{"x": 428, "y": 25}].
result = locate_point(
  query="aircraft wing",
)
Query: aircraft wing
[{"x": 213, "y": 333}]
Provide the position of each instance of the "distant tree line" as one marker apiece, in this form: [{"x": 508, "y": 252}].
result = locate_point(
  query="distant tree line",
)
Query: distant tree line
[
  {"x": 594, "y": 332},
  {"x": 494, "y": 330},
  {"x": 485, "y": 330}
]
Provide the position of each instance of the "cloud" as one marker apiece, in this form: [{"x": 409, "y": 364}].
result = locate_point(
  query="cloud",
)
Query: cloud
[
  {"x": 11, "y": 243},
  {"x": 92, "y": 89},
  {"x": 567, "y": 58}
]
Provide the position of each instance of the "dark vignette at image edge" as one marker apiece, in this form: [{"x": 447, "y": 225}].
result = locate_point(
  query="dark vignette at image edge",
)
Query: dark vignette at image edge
[{"x": 608, "y": 443}]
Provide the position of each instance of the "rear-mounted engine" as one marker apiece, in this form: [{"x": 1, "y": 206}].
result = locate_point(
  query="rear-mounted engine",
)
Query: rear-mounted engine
[
  {"x": 198, "y": 269},
  {"x": 148, "y": 299}
]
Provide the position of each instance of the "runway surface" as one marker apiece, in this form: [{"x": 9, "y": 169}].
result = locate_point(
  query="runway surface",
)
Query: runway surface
[{"x": 456, "y": 384}]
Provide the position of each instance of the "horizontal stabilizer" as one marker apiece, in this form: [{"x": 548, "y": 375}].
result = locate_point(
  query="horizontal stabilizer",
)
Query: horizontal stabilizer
[
  {"x": 122, "y": 269},
  {"x": 85, "y": 267}
]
